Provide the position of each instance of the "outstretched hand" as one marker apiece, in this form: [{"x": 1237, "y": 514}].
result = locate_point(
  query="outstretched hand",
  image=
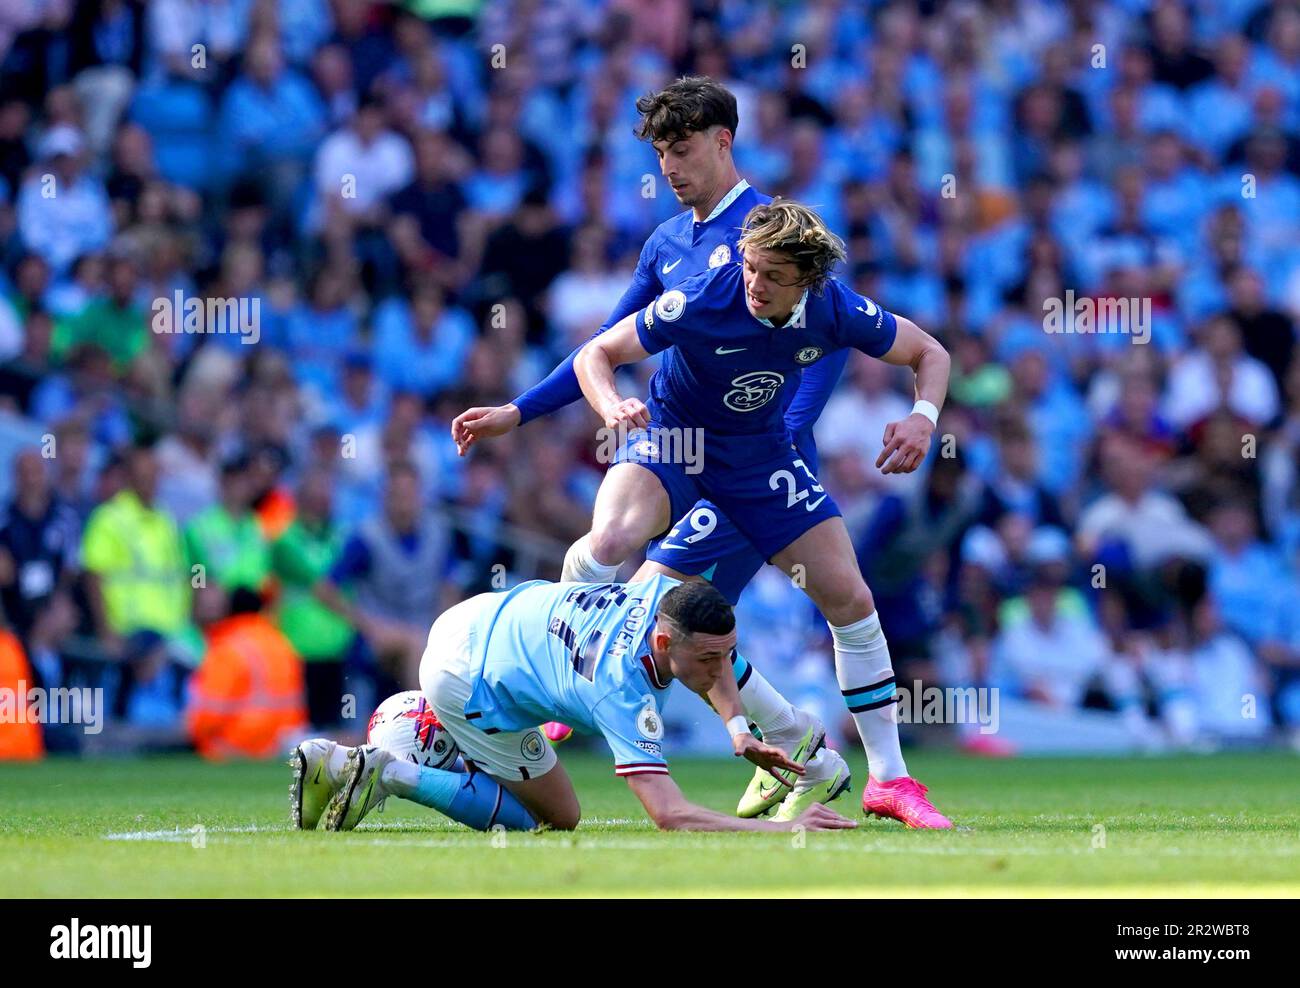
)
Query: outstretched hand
[
  {"x": 765, "y": 756},
  {"x": 482, "y": 423},
  {"x": 819, "y": 816}
]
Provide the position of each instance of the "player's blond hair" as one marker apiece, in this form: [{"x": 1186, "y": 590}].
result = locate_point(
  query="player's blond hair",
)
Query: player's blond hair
[{"x": 795, "y": 230}]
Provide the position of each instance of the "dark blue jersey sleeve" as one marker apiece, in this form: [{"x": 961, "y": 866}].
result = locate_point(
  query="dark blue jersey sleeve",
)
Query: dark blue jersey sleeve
[
  {"x": 653, "y": 334},
  {"x": 861, "y": 323},
  {"x": 560, "y": 387}
]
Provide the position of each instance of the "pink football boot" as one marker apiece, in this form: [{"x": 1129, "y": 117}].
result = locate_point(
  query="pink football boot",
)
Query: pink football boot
[
  {"x": 903, "y": 799},
  {"x": 556, "y": 732}
]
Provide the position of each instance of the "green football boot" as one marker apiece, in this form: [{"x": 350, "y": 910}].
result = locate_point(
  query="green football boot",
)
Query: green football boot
[{"x": 764, "y": 791}]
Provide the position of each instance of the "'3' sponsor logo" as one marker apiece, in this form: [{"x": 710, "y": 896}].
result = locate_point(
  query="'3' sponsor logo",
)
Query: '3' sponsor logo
[{"x": 753, "y": 390}]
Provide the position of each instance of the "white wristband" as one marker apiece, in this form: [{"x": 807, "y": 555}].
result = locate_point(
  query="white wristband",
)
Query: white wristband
[
  {"x": 737, "y": 726},
  {"x": 927, "y": 409}
]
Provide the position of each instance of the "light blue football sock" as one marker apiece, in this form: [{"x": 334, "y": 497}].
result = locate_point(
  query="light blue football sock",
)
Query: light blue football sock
[{"x": 473, "y": 798}]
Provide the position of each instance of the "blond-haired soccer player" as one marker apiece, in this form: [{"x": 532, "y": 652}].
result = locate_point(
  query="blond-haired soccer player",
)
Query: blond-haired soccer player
[
  {"x": 736, "y": 340},
  {"x": 691, "y": 125}
]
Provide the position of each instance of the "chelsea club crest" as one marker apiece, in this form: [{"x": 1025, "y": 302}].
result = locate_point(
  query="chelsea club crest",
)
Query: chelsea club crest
[
  {"x": 808, "y": 355},
  {"x": 720, "y": 256},
  {"x": 645, "y": 450}
]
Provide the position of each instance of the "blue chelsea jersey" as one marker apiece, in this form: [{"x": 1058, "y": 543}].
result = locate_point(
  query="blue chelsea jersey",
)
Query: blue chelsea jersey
[
  {"x": 734, "y": 374},
  {"x": 578, "y": 653},
  {"x": 682, "y": 247}
]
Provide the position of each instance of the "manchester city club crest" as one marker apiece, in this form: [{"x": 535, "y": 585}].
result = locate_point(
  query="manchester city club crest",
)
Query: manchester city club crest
[
  {"x": 720, "y": 256},
  {"x": 532, "y": 747},
  {"x": 808, "y": 355}
]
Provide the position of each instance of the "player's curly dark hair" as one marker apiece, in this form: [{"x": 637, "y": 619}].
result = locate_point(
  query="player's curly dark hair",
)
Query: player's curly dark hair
[
  {"x": 698, "y": 607},
  {"x": 795, "y": 230},
  {"x": 692, "y": 103}
]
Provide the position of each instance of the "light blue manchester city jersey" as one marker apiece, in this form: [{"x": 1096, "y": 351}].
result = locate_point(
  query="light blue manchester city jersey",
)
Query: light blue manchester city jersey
[{"x": 577, "y": 653}]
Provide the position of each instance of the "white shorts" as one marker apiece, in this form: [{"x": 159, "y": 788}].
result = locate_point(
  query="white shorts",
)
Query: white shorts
[{"x": 445, "y": 672}]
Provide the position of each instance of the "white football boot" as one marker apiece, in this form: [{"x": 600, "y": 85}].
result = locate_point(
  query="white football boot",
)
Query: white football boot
[
  {"x": 362, "y": 789},
  {"x": 313, "y": 782},
  {"x": 826, "y": 779}
]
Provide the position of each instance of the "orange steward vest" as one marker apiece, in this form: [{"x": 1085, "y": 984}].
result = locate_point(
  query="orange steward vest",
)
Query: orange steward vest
[{"x": 247, "y": 699}]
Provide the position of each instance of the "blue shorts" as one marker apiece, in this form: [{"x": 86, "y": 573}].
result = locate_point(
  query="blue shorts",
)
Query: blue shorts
[
  {"x": 752, "y": 489},
  {"x": 705, "y": 543}
]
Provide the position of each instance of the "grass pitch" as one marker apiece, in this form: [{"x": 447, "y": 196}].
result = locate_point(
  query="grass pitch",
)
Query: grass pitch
[{"x": 1226, "y": 825}]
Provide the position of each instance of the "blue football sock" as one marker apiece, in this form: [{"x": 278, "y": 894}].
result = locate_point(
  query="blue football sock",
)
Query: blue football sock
[{"x": 473, "y": 798}]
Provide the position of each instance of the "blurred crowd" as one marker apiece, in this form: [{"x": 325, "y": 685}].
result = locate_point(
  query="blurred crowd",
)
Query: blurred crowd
[{"x": 380, "y": 214}]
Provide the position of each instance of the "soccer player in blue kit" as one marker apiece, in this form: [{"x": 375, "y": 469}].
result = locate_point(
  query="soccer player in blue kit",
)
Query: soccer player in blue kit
[
  {"x": 691, "y": 125},
  {"x": 735, "y": 342},
  {"x": 600, "y": 656}
]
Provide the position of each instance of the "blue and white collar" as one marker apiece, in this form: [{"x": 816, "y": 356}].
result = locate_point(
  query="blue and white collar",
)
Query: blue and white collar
[
  {"x": 795, "y": 314},
  {"x": 727, "y": 200}
]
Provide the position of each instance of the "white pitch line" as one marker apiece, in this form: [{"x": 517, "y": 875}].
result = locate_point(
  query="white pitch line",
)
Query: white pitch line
[
  {"x": 178, "y": 835},
  {"x": 610, "y": 842}
]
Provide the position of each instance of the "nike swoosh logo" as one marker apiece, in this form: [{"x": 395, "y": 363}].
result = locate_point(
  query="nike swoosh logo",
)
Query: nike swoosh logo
[
  {"x": 836, "y": 787},
  {"x": 722, "y": 351},
  {"x": 366, "y": 796},
  {"x": 811, "y": 505},
  {"x": 670, "y": 545},
  {"x": 669, "y": 267},
  {"x": 316, "y": 781}
]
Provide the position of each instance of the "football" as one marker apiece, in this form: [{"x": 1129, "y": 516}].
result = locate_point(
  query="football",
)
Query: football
[{"x": 406, "y": 726}]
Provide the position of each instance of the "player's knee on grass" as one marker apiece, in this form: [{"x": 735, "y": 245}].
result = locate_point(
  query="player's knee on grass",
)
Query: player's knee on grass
[
  {"x": 550, "y": 799},
  {"x": 565, "y": 819}
]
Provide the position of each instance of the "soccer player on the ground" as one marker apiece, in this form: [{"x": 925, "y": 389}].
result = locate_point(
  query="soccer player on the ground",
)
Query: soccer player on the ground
[
  {"x": 600, "y": 656},
  {"x": 735, "y": 342},
  {"x": 691, "y": 125}
]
